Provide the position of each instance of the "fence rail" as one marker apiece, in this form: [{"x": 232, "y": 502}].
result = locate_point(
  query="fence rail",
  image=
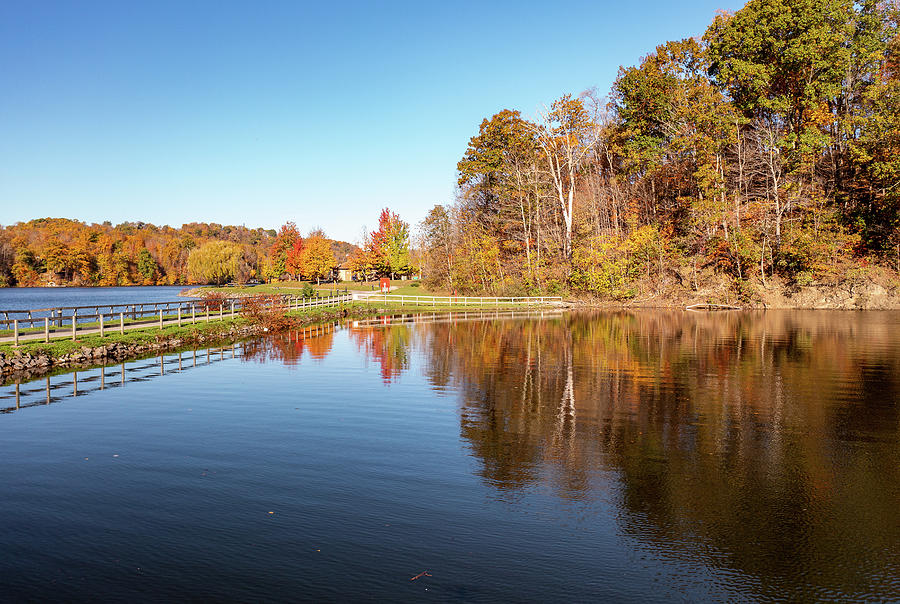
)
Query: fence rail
[
  {"x": 118, "y": 318},
  {"x": 67, "y": 321},
  {"x": 481, "y": 301}
]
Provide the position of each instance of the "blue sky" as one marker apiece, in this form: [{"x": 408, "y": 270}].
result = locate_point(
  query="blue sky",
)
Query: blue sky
[{"x": 260, "y": 112}]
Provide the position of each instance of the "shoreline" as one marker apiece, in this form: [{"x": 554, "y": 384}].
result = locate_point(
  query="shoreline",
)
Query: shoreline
[{"x": 38, "y": 358}]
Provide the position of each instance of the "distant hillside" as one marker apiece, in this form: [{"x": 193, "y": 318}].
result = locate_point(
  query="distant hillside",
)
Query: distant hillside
[{"x": 70, "y": 252}]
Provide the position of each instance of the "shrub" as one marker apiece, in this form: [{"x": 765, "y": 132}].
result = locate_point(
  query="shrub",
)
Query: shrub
[
  {"x": 267, "y": 311},
  {"x": 212, "y": 301}
]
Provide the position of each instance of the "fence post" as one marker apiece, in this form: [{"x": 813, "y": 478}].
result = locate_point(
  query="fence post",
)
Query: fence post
[
  {"x": 160, "y": 318},
  {"x": 221, "y": 311},
  {"x": 193, "y": 314},
  {"x": 207, "y": 313},
  {"x": 101, "y": 326},
  {"x": 74, "y": 328},
  {"x": 16, "y": 331},
  {"x": 179, "y": 315},
  {"x": 122, "y": 323},
  {"x": 46, "y": 329},
  {"x": 232, "y": 309}
]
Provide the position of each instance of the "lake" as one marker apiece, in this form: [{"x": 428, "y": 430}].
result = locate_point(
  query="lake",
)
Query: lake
[
  {"x": 627, "y": 456},
  {"x": 25, "y": 298}
]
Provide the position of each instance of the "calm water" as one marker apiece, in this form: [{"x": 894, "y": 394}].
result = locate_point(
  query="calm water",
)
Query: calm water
[
  {"x": 644, "y": 456},
  {"x": 24, "y": 298}
]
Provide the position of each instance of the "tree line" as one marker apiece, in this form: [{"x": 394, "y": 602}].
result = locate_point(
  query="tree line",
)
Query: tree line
[
  {"x": 763, "y": 154},
  {"x": 69, "y": 252}
]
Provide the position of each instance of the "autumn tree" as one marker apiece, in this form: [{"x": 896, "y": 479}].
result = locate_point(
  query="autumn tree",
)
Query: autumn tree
[
  {"x": 294, "y": 261},
  {"x": 317, "y": 260},
  {"x": 278, "y": 253},
  {"x": 499, "y": 174},
  {"x": 437, "y": 235},
  {"x": 390, "y": 244},
  {"x": 566, "y": 134}
]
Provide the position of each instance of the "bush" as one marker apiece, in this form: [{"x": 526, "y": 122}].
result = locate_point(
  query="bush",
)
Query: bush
[
  {"x": 603, "y": 269},
  {"x": 212, "y": 301},
  {"x": 267, "y": 311}
]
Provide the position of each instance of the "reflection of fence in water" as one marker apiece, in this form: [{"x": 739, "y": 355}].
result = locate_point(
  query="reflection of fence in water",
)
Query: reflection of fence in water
[
  {"x": 455, "y": 317},
  {"x": 53, "y": 389}
]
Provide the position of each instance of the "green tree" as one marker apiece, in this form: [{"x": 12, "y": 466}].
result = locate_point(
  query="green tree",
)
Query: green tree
[
  {"x": 147, "y": 266},
  {"x": 216, "y": 262}
]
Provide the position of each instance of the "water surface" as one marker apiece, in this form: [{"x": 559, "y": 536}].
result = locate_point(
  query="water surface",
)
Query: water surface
[
  {"x": 26, "y": 298},
  {"x": 578, "y": 457}
]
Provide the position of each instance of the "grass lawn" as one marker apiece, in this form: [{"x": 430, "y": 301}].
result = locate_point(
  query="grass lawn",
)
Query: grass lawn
[
  {"x": 414, "y": 288},
  {"x": 60, "y": 347}
]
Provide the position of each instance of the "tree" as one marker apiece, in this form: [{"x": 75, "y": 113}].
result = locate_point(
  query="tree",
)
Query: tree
[
  {"x": 217, "y": 262},
  {"x": 390, "y": 244},
  {"x": 566, "y": 134},
  {"x": 438, "y": 243},
  {"x": 317, "y": 260},
  {"x": 294, "y": 263},
  {"x": 499, "y": 171},
  {"x": 147, "y": 267},
  {"x": 278, "y": 253}
]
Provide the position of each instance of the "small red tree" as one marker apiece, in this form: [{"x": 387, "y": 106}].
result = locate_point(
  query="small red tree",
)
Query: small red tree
[
  {"x": 284, "y": 242},
  {"x": 294, "y": 262}
]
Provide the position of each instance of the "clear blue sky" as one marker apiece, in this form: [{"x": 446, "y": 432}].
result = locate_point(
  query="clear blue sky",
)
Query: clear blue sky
[{"x": 260, "y": 112}]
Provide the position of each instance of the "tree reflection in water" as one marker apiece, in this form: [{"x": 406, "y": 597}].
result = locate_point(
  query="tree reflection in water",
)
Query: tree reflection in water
[
  {"x": 768, "y": 441},
  {"x": 385, "y": 342},
  {"x": 288, "y": 347}
]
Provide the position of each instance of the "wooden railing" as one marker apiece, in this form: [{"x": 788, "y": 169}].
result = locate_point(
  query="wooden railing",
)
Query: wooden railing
[
  {"x": 464, "y": 301},
  {"x": 71, "y": 321},
  {"x": 117, "y": 318}
]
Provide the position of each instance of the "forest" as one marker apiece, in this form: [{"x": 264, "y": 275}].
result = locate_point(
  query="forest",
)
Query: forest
[
  {"x": 760, "y": 156},
  {"x": 61, "y": 251}
]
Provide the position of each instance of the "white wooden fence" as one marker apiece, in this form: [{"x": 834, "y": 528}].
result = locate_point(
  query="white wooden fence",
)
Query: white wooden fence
[
  {"x": 464, "y": 301},
  {"x": 163, "y": 314}
]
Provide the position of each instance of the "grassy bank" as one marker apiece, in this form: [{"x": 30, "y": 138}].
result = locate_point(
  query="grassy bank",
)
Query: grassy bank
[
  {"x": 185, "y": 333},
  {"x": 38, "y": 357}
]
